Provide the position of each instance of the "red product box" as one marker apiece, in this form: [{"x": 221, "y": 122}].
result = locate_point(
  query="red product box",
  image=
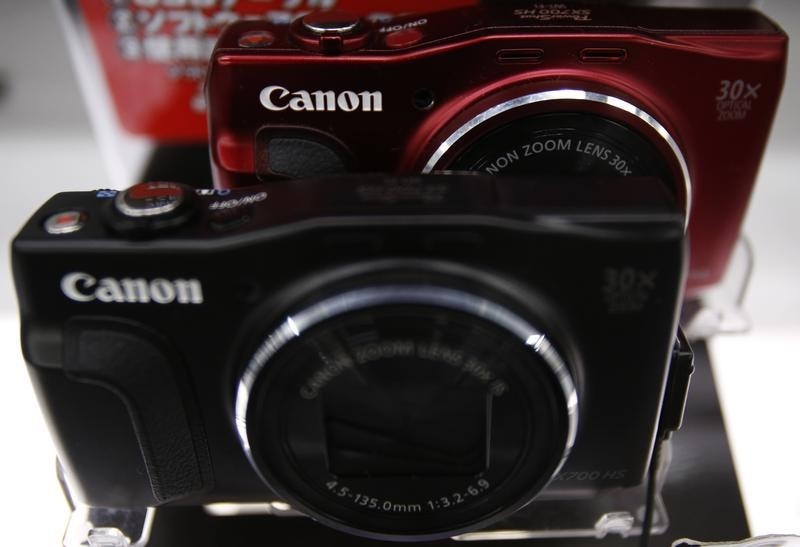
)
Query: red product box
[{"x": 154, "y": 53}]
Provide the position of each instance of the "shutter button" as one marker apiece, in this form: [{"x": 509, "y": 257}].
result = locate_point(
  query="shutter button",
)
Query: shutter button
[
  {"x": 331, "y": 22},
  {"x": 150, "y": 199},
  {"x": 331, "y": 32},
  {"x": 146, "y": 209}
]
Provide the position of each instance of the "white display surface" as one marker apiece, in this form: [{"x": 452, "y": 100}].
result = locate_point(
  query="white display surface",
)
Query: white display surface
[{"x": 46, "y": 146}]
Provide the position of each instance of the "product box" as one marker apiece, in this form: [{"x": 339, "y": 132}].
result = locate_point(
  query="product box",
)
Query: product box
[{"x": 154, "y": 53}]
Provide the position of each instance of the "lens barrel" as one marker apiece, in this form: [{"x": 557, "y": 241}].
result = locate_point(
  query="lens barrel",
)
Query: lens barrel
[
  {"x": 406, "y": 411},
  {"x": 564, "y": 144}
]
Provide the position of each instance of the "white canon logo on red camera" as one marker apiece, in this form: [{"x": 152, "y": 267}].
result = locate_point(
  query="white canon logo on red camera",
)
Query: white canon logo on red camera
[
  {"x": 279, "y": 98},
  {"x": 84, "y": 287}
]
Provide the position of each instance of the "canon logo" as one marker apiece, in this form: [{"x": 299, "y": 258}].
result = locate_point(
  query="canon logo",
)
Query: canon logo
[
  {"x": 83, "y": 287},
  {"x": 279, "y": 98}
]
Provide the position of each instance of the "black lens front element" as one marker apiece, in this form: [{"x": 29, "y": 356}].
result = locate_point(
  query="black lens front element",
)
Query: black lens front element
[{"x": 406, "y": 412}]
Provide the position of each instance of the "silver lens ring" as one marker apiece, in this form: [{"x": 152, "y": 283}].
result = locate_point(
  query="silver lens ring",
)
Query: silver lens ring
[
  {"x": 294, "y": 326},
  {"x": 569, "y": 95}
]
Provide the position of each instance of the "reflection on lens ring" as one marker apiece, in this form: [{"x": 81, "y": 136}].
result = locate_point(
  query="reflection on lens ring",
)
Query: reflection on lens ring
[
  {"x": 564, "y": 144},
  {"x": 406, "y": 411},
  {"x": 578, "y": 96}
]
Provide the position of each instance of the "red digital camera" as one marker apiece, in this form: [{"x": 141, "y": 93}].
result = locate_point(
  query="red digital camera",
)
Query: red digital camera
[{"x": 687, "y": 96}]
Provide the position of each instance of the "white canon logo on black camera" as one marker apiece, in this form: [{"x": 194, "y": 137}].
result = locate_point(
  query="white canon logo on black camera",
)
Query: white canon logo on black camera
[
  {"x": 279, "y": 98},
  {"x": 84, "y": 287}
]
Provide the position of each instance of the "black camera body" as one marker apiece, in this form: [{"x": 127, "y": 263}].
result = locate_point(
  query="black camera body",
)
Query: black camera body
[{"x": 398, "y": 357}]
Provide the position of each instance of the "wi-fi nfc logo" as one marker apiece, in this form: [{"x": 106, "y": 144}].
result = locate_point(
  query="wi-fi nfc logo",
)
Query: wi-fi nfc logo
[{"x": 278, "y": 98}]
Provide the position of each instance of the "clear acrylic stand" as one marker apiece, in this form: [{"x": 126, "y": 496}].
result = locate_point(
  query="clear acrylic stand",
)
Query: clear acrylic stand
[
  {"x": 761, "y": 541},
  {"x": 720, "y": 309},
  {"x": 618, "y": 511},
  {"x": 104, "y": 526}
]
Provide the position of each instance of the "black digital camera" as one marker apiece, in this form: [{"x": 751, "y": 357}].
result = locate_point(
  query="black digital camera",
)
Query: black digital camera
[{"x": 402, "y": 358}]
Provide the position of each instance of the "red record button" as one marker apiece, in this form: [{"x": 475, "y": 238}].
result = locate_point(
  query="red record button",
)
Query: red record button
[
  {"x": 256, "y": 38},
  {"x": 65, "y": 222}
]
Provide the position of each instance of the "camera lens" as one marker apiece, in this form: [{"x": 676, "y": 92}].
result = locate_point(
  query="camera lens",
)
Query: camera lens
[
  {"x": 406, "y": 412},
  {"x": 563, "y": 143}
]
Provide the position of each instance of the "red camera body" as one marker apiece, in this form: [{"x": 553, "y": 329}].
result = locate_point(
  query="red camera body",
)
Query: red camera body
[{"x": 684, "y": 95}]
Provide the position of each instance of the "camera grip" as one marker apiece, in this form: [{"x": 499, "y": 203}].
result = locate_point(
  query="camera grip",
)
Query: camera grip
[{"x": 139, "y": 369}]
